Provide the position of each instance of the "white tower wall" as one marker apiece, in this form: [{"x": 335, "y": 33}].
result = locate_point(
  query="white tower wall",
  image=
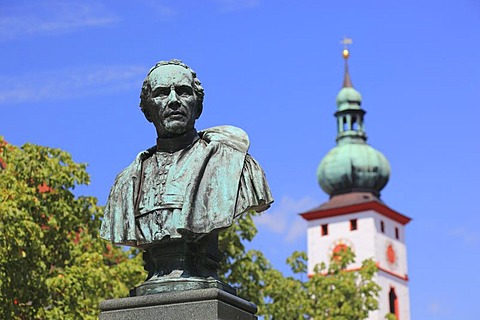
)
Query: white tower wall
[{"x": 367, "y": 241}]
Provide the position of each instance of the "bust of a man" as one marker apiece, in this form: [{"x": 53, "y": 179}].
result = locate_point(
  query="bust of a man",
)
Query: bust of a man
[{"x": 187, "y": 187}]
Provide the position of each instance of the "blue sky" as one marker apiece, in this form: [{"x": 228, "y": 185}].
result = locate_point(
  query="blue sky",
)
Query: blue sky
[{"x": 71, "y": 73}]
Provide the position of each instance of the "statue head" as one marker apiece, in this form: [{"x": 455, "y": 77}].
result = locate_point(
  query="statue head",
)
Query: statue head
[{"x": 171, "y": 98}]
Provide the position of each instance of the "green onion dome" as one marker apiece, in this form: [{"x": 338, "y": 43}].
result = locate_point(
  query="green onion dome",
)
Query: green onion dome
[{"x": 351, "y": 167}]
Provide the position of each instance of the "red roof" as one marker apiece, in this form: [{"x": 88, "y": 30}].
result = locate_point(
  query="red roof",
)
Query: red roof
[{"x": 354, "y": 202}]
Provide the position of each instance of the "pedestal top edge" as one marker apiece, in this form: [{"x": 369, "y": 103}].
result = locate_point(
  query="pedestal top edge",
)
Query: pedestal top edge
[{"x": 178, "y": 297}]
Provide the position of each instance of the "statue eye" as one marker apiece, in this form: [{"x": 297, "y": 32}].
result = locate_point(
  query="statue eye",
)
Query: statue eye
[
  {"x": 161, "y": 92},
  {"x": 184, "y": 91}
]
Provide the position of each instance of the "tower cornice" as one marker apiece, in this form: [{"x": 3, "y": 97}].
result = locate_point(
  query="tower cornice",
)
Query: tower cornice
[{"x": 352, "y": 203}]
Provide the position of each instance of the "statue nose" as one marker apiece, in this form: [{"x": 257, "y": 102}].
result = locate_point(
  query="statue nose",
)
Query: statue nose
[{"x": 172, "y": 97}]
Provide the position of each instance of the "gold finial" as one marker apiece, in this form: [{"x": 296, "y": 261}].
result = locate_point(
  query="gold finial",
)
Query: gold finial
[
  {"x": 346, "y": 41},
  {"x": 347, "y": 82}
]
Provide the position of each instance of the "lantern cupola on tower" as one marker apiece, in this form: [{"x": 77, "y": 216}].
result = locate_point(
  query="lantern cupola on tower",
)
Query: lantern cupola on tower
[{"x": 352, "y": 165}]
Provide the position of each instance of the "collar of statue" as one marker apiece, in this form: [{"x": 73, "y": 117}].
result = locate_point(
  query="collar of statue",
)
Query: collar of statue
[{"x": 177, "y": 143}]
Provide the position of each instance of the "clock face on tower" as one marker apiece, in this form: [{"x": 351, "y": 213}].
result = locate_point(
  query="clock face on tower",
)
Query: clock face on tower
[
  {"x": 391, "y": 255},
  {"x": 339, "y": 246}
]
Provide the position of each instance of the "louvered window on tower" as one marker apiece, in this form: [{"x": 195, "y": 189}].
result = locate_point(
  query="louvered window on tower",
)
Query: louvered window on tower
[
  {"x": 324, "y": 229},
  {"x": 353, "y": 224}
]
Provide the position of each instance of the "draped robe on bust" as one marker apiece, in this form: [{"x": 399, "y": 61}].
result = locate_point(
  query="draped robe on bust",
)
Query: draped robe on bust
[{"x": 195, "y": 190}]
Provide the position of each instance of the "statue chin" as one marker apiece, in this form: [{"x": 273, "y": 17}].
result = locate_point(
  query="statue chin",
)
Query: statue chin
[{"x": 176, "y": 127}]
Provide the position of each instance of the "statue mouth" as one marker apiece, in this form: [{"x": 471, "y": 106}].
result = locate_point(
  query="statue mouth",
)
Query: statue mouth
[{"x": 176, "y": 114}]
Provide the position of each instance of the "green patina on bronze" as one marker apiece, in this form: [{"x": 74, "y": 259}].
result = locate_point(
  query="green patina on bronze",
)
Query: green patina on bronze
[
  {"x": 352, "y": 165},
  {"x": 172, "y": 201}
]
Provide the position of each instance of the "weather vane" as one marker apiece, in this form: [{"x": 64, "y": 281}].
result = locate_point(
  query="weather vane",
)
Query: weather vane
[{"x": 346, "y": 41}]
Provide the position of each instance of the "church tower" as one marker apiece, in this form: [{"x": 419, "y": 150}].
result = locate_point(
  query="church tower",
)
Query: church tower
[{"x": 353, "y": 174}]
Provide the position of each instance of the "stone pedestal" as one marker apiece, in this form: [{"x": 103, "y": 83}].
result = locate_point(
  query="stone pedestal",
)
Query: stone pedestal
[{"x": 203, "y": 304}]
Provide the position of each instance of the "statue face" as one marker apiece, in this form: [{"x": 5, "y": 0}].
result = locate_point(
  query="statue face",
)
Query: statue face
[{"x": 174, "y": 103}]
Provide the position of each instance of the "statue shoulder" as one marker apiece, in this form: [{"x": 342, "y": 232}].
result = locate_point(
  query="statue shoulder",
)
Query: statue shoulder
[
  {"x": 134, "y": 168},
  {"x": 229, "y": 135}
]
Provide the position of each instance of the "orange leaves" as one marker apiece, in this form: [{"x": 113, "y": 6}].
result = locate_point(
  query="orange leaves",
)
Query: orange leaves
[{"x": 44, "y": 188}]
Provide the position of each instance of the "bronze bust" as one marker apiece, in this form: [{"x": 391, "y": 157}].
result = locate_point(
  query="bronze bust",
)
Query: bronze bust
[{"x": 172, "y": 201}]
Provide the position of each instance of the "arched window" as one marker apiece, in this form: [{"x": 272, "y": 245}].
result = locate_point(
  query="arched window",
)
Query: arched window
[
  {"x": 354, "y": 123},
  {"x": 393, "y": 302}
]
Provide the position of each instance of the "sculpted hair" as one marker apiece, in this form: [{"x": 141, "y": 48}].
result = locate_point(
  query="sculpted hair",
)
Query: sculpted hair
[{"x": 146, "y": 93}]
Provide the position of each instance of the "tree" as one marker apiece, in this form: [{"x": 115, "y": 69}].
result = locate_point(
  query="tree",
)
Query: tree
[
  {"x": 52, "y": 263},
  {"x": 342, "y": 294}
]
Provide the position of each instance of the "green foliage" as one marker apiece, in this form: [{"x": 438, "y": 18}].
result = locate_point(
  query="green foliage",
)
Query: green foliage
[
  {"x": 52, "y": 263},
  {"x": 332, "y": 293},
  {"x": 246, "y": 270},
  {"x": 340, "y": 293}
]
